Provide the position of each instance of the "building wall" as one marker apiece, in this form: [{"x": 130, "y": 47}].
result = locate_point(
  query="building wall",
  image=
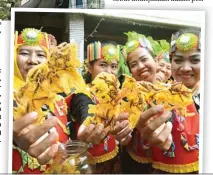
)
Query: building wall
[{"x": 76, "y": 33}]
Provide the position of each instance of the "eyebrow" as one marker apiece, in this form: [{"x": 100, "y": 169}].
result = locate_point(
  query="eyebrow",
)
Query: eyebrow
[
  {"x": 181, "y": 56},
  {"x": 103, "y": 62},
  {"x": 194, "y": 55},
  {"x": 141, "y": 57},
  {"x": 30, "y": 50}
]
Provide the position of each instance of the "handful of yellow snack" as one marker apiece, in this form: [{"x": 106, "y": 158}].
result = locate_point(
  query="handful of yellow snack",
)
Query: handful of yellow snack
[
  {"x": 105, "y": 92},
  {"x": 134, "y": 97},
  {"x": 174, "y": 96}
]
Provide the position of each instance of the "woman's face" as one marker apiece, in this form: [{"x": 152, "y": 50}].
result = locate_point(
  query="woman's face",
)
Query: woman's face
[
  {"x": 186, "y": 67},
  {"x": 100, "y": 65},
  {"x": 142, "y": 65},
  {"x": 28, "y": 57},
  {"x": 164, "y": 71}
]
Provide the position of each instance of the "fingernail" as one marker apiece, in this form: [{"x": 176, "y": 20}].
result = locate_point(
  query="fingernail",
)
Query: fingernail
[
  {"x": 33, "y": 114},
  {"x": 101, "y": 125},
  {"x": 160, "y": 108},
  {"x": 53, "y": 129}
]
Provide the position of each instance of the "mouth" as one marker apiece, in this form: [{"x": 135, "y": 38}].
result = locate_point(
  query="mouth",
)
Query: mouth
[
  {"x": 186, "y": 76},
  {"x": 143, "y": 73}
]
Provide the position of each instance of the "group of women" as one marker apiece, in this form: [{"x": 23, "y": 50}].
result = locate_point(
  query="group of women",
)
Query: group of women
[{"x": 145, "y": 149}]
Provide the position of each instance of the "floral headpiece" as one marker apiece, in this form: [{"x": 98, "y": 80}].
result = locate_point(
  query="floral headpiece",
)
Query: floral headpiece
[
  {"x": 185, "y": 41},
  {"x": 32, "y": 37},
  {"x": 107, "y": 52},
  {"x": 135, "y": 41}
]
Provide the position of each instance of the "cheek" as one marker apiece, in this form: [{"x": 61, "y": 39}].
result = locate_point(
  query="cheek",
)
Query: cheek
[
  {"x": 42, "y": 60},
  {"x": 133, "y": 71},
  {"x": 21, "y": 60},
  {"x": 197, "y": 69},
  {"x": 115, "y": 72},
  {"x": 174, "y": 68},
  {"x": 152, "y": 66},
  {"x": 96, "y": 70},
  {"x": 169, "y": 72}
]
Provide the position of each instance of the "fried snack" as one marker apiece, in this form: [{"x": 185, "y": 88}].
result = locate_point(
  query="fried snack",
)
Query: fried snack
[
  {"x": 105, "y": 93},
  {"x": 173, "y": 96},
  {"x": 133, "y": 102},
  {"x": 134, "y": 98}
]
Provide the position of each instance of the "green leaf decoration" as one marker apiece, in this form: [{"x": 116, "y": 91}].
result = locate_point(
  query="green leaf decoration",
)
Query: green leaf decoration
[
  {"x": 122, "y": 66},
  {"x": 165, "y": 45},
  {"x": 133, "y": 35}
]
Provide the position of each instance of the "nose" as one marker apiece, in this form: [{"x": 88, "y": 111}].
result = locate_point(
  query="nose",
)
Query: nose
[
  {"x": 140, "y": 65},
  {"x": 186, "y": 67},
  {"x": 109, "y": 70},
  {"x": 33, "y": 59}
]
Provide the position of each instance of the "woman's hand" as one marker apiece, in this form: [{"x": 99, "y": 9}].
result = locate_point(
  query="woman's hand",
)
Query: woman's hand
[
  {"x": 92, "y": 133},
  {"x": 122, "y": 131},
  {"x": 154, "y": 127},
  {"x": 32, "y": 139}
]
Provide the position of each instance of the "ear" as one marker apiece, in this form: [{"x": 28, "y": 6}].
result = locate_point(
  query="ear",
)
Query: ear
[{"x": 89, "y": 68}]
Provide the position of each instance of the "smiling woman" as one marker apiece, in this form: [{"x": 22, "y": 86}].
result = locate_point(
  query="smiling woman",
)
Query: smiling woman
[
  {"x": 186, "y": 67},
  {"x": 185, "y": 58}
]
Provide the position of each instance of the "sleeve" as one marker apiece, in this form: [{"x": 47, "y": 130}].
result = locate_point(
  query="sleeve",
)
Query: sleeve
[{"x": 79, "y": 107}]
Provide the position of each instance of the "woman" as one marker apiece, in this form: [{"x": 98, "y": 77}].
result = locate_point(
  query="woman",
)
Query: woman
[
  {"x": 32, "y": 49},
  {"x": 140, "y": 60},
  {"x": 183, "y": 156},
  {"x": 101, "y": 57},
  {"x": 164, "y": 67}
]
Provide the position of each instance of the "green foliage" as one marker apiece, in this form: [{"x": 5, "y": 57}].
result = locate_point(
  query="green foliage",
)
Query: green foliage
[
  {"x": 122, "y": 65},
  {"x": 133, "y": 36},
  {"x": 159, "y": 45}
]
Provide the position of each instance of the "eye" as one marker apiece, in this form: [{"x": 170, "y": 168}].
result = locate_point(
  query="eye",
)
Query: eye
[
  {"x": 24, "y": 53},
  {"x": 161, "y": 64},
  {"x": 133, "y": 65},
  {"x": 114, "y": 66},
  {"x": 144, "y": 59},
  {"x": 103, "y": 65},
  {"x": 178, "y": 60},
  {"x": 169, "y": 68},
  {"x": 41, "y": 55},
  {"x": 195, "y": 60}
]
